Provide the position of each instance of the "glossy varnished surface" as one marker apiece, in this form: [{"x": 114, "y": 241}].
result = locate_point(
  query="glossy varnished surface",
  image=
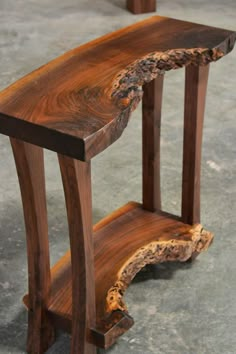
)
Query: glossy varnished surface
[
  {"x": 151, "y": 134},
  {"x": 76, "y": 178},
  {"x": 119, "y": 239},
  {"x": 80, "y": 103}
]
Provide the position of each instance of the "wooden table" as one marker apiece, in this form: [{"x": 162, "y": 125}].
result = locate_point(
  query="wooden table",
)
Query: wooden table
[{"x": 78, "y": 105}]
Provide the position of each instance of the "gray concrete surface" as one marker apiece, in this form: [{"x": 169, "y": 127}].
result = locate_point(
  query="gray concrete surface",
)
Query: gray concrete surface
[{"x": 182, "y": 308}]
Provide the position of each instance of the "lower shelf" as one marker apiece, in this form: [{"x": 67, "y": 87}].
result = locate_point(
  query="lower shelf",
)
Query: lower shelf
[{"x": 124, "y": 242}]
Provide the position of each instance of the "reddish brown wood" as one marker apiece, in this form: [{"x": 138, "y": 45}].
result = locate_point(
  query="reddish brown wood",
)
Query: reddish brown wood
[
  {"x": 76, "y": 177},
  {"x": 30, "y": 169},
  {"x": 195, "y": 97},
  {"x": 141, "y": 6},
  {"x": 152, "y": 102},
  {"x": 124, "y": 242},
  {"x": 80, "y": 103}
]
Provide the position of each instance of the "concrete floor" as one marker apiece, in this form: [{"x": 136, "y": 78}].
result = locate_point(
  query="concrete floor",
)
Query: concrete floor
[{"x": 180, "y": 308}]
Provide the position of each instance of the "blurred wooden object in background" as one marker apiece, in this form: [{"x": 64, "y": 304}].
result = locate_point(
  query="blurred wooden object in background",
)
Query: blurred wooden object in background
[{"x": 141, "y": 6}]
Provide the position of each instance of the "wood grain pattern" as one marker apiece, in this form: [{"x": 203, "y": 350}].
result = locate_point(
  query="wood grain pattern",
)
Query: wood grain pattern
[
  {"x": 30, "y": 169},
  {"x": 123, "y": 243},
  {"x": 141, "y": 6},
  {"x": 195, "y": 97},
  {"x": 151, "y": 130},
  {"x": 76, "y": 177},
  {"x": 80, "y": 103}
]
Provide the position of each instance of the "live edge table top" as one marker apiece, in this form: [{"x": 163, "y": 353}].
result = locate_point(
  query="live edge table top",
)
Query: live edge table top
[{"x": 80, "y": 103}]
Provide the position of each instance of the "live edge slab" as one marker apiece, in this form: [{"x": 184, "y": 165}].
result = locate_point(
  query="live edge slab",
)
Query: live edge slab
[
  {"x": 124, "y": 242},
  {"x": 77, "y": 105},
  {"x": 80, "y": 103}
]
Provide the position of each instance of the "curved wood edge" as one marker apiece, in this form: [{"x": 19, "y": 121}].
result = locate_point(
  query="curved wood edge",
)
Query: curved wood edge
[
  {"x": 152, "y": 253},
  {"x": 76, "y": 178},
  {"x": 80, "y": 103},
  {"x": 131, "y": 232},
  {"x": 126, "y": 86},
  {"x": 126, "y": 92}
]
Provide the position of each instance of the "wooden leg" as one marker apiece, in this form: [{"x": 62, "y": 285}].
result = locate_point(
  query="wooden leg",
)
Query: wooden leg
[
  {"x": 141, "y": 6},
  {"x": 152, "y": 102},
  {"x": 195, "y": 96},
  {"x": 30, "y": 169},
  {"x": 76, "y": 177}
]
